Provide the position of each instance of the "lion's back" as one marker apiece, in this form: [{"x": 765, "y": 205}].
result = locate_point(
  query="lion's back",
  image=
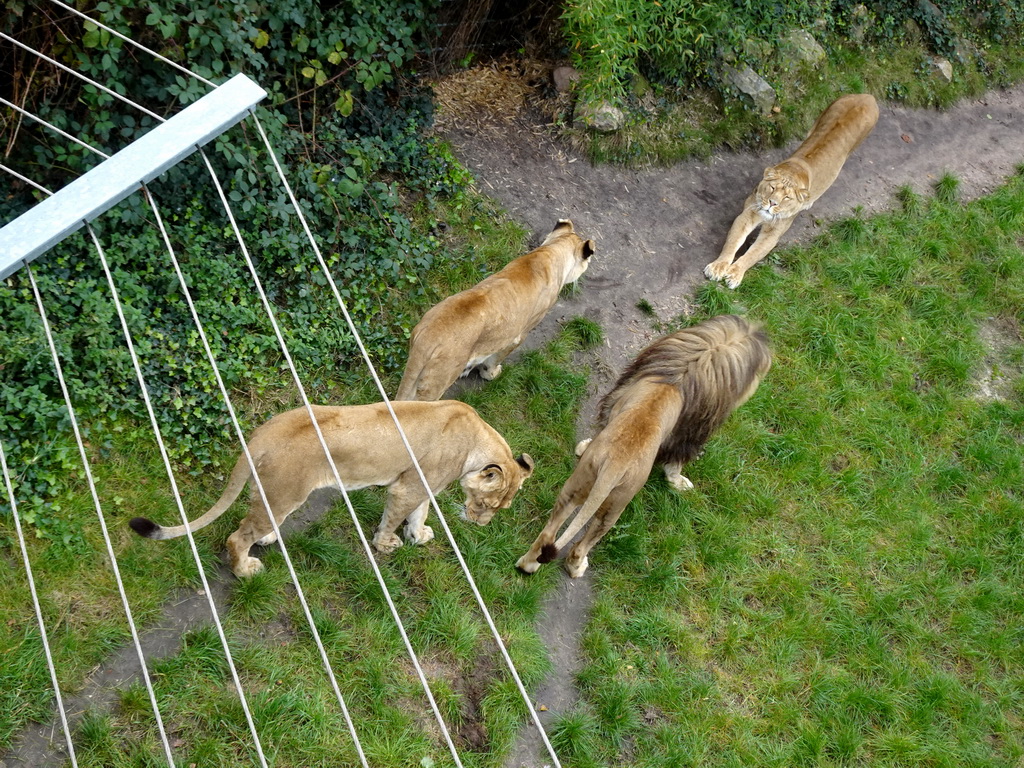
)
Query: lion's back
[{"x": 714, "y": 365}]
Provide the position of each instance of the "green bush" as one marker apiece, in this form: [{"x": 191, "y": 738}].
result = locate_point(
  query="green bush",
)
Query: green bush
[
  {"x": 677, "y": 42},
  {"x": 350, "y": 133},
  {"x": 612, "y": 40}
]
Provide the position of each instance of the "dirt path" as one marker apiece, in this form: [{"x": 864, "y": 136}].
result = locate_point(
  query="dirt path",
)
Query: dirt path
[{"x": 656, "y": 229}]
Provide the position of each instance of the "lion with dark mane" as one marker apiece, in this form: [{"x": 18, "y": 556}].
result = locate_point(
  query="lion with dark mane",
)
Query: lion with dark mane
[{"x": 663, "y": 409}]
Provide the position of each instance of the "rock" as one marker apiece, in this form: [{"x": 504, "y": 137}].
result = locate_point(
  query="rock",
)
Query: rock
[
  {"x": 563, "y": 78},
  {"x": 965, "y": 52},
  {"x": 600, "y": 116},
  {"x": 860, "y": 23},
  {"x": 640, "y": 86},
  {"x": 757, "y": 50},
  {"x": 912, "y": 30},
  {"x": 942, "y": 67},
  {"x": 799, "y": 47},
  {"x": 752, "y": 49},
  {"x": 751, "y": 88},
  {"x": 929, "y": 14}
]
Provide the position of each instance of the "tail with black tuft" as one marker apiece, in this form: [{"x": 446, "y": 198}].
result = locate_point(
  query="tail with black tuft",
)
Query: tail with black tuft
[
  {"x": 144, "y": 527},
  {"x": 548, "y": 553}
]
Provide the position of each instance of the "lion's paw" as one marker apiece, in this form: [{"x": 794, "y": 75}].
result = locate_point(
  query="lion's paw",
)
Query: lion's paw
[
  {"x": 527, "y": 566},
  {"x": 488, "y": 374},
  {"x": 733, "y": 277},
  {"x": 387, "y": 543},
  {"x": 420, "y": 536},
  {"x": 267, "y": 540},
  {"x": 247, "y": 567},
  {"x": 680, "y": 483},
  {"x": 716, "y": 270},
  {"x": 582, "y": 446},
  {"x": 575, "y": 568}
]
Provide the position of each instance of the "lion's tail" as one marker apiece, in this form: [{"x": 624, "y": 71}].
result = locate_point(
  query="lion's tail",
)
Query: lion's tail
[
  {"x": 236, "y": 482},
  {"x": 603, "y": 486}
]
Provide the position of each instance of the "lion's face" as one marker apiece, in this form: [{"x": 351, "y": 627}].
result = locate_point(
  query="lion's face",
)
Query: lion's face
[
  {"x": 780, "y": 194},
  {"x": 493, "y": 488}
]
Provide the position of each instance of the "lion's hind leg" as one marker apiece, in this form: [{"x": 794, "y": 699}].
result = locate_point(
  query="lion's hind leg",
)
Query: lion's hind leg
[
  {"x": 676, "y": 478},
  {"x": 576, "y": 562},
  {"x": 256, "y": 527},
  {"x": 432, "y": 372},
  {"x": 490, "y": 367},
  {"x": 543, "y": 549}
]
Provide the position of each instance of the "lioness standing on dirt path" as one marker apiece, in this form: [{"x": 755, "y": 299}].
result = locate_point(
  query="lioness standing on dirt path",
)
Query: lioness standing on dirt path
[
  {"x": 795, "y": 184},
  {"x": 481, "y": 326},
  {"x": 449, "y": 439},
  {"x": 663, "y": 409}
]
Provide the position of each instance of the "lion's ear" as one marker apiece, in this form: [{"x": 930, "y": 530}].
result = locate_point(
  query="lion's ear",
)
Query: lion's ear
[
  {"x": 588, "y": 249},
  {"x": 525, "y": 461},
  {"x": 491, "y": 473},
  {"x": 802, "y": 194},
  {"x": 770, "y": 174}
]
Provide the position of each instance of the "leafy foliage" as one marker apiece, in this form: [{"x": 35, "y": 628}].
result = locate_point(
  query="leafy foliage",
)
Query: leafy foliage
[
  {"x": 679, "y": 42},
  {"x": 351, "y": 139}
]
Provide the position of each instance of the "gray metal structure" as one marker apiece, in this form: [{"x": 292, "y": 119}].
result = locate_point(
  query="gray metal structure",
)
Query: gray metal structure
[{"x": 110, "y": 182}]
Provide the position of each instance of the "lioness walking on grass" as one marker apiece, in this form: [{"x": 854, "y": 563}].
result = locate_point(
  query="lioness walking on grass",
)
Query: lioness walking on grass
[{"x": 449, "y": 439}]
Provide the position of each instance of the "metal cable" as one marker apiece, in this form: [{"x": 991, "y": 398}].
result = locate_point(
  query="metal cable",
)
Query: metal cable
[
  {"x": 79, "y": 75},
  {"x": 52, "y": 127},
  {"x": 26, "y": 179},
  {"x": 38, "y": 608},
  {"x": 256, "y": 481},
  {"x": 163, "y": 454},
  {"x": 374, "y": 375},
  {"x": 330, "y": 459},
  {"x": 140, "y": 46},
  {"x": 405, "y": 441},
  {"x": 99, "y": 511}
]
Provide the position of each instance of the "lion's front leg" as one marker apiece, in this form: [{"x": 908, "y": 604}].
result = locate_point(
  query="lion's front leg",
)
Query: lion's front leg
[
  {"x": 741, "y": 228},
  {"x": 767, "y": 239},
  {"x": 407, "y": 502},
  {"x": 415, "y": 531}
]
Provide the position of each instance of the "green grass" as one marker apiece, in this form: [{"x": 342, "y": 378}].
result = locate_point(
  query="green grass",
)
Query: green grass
[
  {"x": 588, "y": 333},
  {"x": 843, "y": 586},
  {"x": 695, "y": 122},
  {"x": 300, "y": 719}
]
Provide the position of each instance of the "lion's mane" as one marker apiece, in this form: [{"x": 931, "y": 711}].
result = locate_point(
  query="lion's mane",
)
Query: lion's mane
[{"x": 713, "y": 364}]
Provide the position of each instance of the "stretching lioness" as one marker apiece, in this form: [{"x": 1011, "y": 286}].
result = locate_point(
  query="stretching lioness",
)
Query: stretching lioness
[
  {"x": 663, "y": 409},
  {"x": 450, "y": 440},
  {"x": 795, "y": 184},
  {"x": 481, "y": 326}
]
